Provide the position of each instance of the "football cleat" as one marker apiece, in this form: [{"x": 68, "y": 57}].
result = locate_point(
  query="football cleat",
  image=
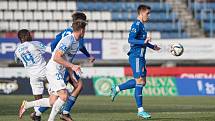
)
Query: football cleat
[
  {"x": 113, "y": 92},
  {"x": 22, "y": 109},
  {"x": 65, "y": 117},
  {"x": 144, "y": 115},
  {"x": 34, "y": 117}
]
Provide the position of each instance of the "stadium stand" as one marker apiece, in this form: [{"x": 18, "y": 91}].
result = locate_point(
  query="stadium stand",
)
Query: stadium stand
[
  {"x": 46, "y": 18},
  {"x": 203, "y": 11}
]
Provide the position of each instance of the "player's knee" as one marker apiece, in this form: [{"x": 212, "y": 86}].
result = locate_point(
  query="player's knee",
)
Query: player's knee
[
  {"x": 63, "y": 94},
  {"x": 141, "y": 80}
]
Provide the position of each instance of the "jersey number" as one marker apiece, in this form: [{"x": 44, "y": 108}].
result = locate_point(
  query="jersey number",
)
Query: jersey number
[
  {"x": 59, "y": 76},
  {"x": 28, "y": 58}
]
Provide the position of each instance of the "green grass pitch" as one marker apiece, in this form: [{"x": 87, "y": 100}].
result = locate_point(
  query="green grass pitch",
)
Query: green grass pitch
[{"x": 99, "y": 108}]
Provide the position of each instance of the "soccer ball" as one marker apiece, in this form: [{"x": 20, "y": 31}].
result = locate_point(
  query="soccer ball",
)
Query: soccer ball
[{"x": 177, "y": 49}]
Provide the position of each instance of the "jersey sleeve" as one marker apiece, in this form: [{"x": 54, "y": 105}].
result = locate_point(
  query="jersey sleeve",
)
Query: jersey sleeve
[
  {"x": 41, "y": 47},
  {"x": 150, "y": 45},
  {"x": 59, "y": 36},
  {"x": 65, "y": 44},
  {"x": 16, "y": 58},
  {"x": 133, "y": 33}
]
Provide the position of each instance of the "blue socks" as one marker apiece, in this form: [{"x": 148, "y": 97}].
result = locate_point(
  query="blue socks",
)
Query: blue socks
[
  {"x": 138, "y": 95},
  {"x": 127, "y": 85},
  {"x": 69, "y": 103},
  {"x": 42, "y": 109}
]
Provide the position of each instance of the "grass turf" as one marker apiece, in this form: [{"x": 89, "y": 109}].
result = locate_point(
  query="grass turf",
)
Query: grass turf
[{"x": 92, "y": 108}]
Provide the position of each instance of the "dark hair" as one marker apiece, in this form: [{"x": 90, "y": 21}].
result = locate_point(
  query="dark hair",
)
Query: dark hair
[
  {"x": 79, "y": 16},
  {"x": 78, "y": 25},
  {"x": 22, "y": 33},
  {"x": 143, "y": 7}
]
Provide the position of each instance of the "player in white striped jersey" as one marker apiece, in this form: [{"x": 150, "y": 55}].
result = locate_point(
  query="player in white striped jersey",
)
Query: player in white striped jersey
[
  {"x": 30, "y": 54},
  {"x": 60, "y": 60}
]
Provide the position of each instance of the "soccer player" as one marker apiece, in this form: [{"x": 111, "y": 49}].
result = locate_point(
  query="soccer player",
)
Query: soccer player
[
  {"x": 30, "y": 54},
  {"x": 61, "y": 59},
  {"x": 138, "y": 43},
  {"x": 70, "y": 76}
]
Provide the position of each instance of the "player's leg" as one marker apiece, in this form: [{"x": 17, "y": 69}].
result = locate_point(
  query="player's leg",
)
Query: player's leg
[
  {"x": 78, "y": 86},
  {"x": 57, "y": 87},
  {"x": 63, "y": 95},
  {"x": 127, "y": 85},
  {"x": 44, "y": 102},
  {"x": 37, "y": 89},
  {"x": 139, "y": 73}
]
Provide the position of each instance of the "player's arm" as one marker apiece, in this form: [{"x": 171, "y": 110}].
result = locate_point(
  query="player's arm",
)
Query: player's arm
[
  {"x": 132, "y": 35},
  {"x": 41, "y": 47},
  {"x": 84, "y": 51},
  {"x": 16, "y": 59},
  {"x": 83, "y": 48},
  {"x": 154, "y": 47},
  {"x": 58, "y": 55}
]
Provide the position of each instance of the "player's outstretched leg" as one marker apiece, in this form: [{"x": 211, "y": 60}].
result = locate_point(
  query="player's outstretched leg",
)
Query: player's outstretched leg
[
  {"x": 22, "y": 109},
  {"x": 44, "y": 102},
  {"x": 114, "y": 92},
  {"x": 127, "y": 85}
]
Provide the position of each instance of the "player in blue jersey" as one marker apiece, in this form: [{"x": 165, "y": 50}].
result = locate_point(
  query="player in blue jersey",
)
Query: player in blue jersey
[
  {"x": 74, "y": 79},
  {"x": 138, "y": 41}
]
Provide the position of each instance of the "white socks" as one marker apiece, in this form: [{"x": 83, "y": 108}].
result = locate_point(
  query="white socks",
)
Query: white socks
[
  {"x": 55, "y": 109},
  {"x": 140, "y": 109},
  {"x": 36, "y": 109},
  {"x": 117, "y": 89},
  {"x": 44, "y": 102}
]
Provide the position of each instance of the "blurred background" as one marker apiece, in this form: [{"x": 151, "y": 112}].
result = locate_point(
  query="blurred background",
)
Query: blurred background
[{"x": 189, "y": 22}]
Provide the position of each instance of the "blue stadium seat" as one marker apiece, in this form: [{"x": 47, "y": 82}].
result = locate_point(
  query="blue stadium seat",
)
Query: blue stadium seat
[
  {"x": 169, "y": 35},
  {"x": 121, "y": 6},
  {"x": 209, "y": 26},
  {"x": 116, "y": 16},
  {"x": 201, "y": 6}
]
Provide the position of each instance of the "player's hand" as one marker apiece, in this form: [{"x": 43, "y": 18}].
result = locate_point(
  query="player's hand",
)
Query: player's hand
[
  {"x": 77, "y": 69},
  {"x": 156, "y": 47},
  {"x": 91, "y": 59}
]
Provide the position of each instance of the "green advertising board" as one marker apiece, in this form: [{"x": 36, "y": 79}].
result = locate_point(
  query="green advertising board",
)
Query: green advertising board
[{"x": 156, "y": 86}]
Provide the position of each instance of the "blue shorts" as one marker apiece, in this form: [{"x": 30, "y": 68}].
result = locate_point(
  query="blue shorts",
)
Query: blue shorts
[
  {"x": 138, "y": 66},
  {"x": 67, "y": 75}
]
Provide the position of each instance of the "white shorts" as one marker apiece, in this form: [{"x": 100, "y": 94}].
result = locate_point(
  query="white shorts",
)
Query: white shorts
[
  {"x": 37, "y": 85},
  {"x": 56, "y": 82}
]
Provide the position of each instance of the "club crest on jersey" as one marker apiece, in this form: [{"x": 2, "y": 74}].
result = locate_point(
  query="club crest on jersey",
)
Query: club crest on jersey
[{"x": 133, "y": 30}]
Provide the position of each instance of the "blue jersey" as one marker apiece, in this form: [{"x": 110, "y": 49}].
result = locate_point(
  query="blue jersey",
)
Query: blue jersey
[
  {"x": 59, "y": 36},
  {"x": 68, "y": 31},
  {"x": 137, "y": 37}
]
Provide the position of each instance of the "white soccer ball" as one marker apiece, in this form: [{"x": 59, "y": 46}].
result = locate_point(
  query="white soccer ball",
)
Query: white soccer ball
[{"x": 177, "y": 49}]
